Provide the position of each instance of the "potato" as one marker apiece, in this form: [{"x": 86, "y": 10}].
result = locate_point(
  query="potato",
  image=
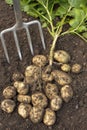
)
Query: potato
[
  {"x": 24, "y": 110},
  {"x": 39, "y": 60},
  {"x": 61, "y": 56},
  {"x": 47, "y": 77},
  {"x": 46, "y": 74},
  {"x": 49, "y": 117},
  {"x": 32, "y": 74},
  {"x": 24, "y": 98},
  {"x": 9, "y": 92},
  {"x": 76, "y": 68},
  {"x": 22, "y": 87},
  {"x": 51, "y": 90},
  {"x": 56, "y": 103},
  {"x": 61, "y": 77},
  {"x": 8, "y": 105},
  {"x": 66, "y": 93},
  {"x": 17, "y": 76},
  {"x": 65, "y": 67},
  {"x": 39, "y": 99},
  {"x": 36, "y": 114}
]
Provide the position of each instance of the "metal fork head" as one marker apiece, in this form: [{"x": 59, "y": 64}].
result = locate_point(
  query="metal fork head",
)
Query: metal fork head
[{"x": 14, "y": 31}]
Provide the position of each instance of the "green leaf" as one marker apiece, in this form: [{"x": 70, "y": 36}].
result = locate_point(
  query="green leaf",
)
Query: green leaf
[
  {"x": 78, "y": 16},
  {"x": 84, "y": 35},
  {"x": 61, "y": 11},
  {"x": 77, "y": 3},
  {"x": 82, "y": 28},
  {"x": 10, "y": 2}
]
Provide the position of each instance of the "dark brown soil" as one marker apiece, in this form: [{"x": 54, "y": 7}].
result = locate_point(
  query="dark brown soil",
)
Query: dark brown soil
[{"x": 73, "y": 115}]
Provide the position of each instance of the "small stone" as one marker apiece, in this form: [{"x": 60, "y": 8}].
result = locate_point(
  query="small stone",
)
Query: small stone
[{"x": 77, "y": 106}]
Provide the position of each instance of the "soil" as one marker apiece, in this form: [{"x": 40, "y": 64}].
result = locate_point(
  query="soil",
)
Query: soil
[{"x": 73, "y": 115}]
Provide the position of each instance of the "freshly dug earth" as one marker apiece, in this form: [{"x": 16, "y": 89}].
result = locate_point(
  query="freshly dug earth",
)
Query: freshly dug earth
[{"x": 73, "y": 115}]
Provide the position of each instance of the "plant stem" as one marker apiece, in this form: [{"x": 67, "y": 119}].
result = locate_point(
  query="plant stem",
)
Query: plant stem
[
  {"x": 80, "y": 36},
  {"x": 53, "y": 45},
  {"x": 52, "y": 50},
  {"x": 57, "y": 34},
  {"x": 73, "y": 32}
]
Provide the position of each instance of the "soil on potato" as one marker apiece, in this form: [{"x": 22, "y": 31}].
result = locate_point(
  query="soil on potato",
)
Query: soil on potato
[{"x": 73, "y": 115}]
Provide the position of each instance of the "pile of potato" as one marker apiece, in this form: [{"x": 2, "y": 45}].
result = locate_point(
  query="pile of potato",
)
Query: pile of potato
[{"x": 41, "y": 90}]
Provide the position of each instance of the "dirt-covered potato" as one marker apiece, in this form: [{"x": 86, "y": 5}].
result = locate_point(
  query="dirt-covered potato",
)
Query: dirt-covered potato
[
  {"x": 24, "y": 110},
  {"x": 32, "y": 74},
  {"x": 66, "y": 93},
  {"x": 36, "y": 114},
  {"x": 39, "y": 60},
  {"x": 8, "y": 105},
  {"x": 56, "y": 103},
  {"x": 61, "y": 56},
  {"x": 22, "y": 87},
  {"x": 47, "y": 77},
  {"x": 17, "y": 76},
  {"x": 46, "y": 74},
  {"x": 51, "y": 90},
  {"x": 65, "y": 67},
  {"x": 61, "y": 77},
  {"x": 24, "y": 98},
  {"x": 39, "y": 99},
  {"x": 76, "y": 68},
  {"x": 9, "y": 92},
  {"x": 49, "y": 117}
]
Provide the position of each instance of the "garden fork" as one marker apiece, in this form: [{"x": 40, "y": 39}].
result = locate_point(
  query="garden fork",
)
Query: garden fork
[{"x": 20, "y": 25}]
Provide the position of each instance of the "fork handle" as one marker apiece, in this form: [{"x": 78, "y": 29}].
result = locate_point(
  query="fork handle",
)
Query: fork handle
[{"x": 18, "y": 13}]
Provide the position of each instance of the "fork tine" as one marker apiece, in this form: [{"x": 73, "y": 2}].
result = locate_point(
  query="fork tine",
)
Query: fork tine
[
  {"x": 29, "y": 40},
  {"x": 41, "y": 34},
  {"x": 17, "y": 44},
  {"x": 4, "y": 47},
  {"x": 40, "y": 30}
]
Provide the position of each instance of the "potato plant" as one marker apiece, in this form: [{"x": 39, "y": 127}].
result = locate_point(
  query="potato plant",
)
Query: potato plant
[
  {"x": 73, "y": 13},
  {"x": 55, "y": 88}
]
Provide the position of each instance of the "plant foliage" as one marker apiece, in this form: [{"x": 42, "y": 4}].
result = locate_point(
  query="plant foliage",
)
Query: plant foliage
[{"x": 72, "y": 12}]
